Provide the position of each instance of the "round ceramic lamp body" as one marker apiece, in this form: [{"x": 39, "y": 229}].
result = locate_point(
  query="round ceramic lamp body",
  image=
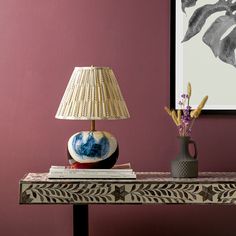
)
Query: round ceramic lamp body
[{"x": 93, "y": 149}]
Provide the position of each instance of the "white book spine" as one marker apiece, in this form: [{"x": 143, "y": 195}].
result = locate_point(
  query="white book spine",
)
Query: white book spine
[
  {"x": 88, "y": 176},
  {"x": 65, "y": 169},
  {"x": 67, "y": 172}
]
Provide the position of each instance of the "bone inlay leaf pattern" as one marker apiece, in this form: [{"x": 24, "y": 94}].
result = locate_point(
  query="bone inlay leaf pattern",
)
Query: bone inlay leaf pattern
[{"x": 148, "y": 188}]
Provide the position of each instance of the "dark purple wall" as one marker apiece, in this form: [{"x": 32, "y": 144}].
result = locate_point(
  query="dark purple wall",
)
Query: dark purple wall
[{"x": 40, "y": 43}]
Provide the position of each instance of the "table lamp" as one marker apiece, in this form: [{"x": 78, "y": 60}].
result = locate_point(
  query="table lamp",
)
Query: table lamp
[{"x": 92, "y": 94}]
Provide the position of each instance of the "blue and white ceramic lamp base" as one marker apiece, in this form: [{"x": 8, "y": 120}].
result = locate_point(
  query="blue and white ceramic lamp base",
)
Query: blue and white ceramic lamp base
[{"x": 92, "y": 150}]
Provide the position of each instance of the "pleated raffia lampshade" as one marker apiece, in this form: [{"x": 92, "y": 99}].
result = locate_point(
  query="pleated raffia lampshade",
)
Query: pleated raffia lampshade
[{"x": 92, "y": 94}]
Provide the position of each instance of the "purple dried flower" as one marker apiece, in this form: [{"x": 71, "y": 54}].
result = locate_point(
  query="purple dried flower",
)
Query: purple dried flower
[
  {"x": 184, "y": 128},
  {"x": 186, "y": 122}
]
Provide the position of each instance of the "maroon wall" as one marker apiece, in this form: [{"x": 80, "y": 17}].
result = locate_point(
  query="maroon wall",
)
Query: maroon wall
[{"x": 40, "y": 43}]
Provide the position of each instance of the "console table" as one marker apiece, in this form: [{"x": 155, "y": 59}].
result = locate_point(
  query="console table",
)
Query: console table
[{"x": 148, "y": 188}]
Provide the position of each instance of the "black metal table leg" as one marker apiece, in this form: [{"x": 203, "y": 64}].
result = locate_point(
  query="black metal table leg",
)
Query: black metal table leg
[{"x": 80, "y": 220}]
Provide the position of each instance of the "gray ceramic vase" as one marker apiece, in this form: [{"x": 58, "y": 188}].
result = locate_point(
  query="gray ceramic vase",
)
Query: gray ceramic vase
[{"x": 185, "y": 165}]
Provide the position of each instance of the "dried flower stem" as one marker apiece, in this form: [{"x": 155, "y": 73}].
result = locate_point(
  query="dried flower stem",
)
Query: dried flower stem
[
  {"x": 185, "y": 118},
  {"x": 168, "y": 111}
]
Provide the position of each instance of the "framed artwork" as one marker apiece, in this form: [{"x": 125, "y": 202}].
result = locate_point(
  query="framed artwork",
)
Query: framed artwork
[{"x": 203, "y": 43}]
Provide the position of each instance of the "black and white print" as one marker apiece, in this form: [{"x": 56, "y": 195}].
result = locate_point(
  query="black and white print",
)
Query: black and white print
[{"x": 205, "y": 43}]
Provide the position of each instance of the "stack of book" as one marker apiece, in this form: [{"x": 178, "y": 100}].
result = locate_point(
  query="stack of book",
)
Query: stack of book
[{"x": 63, "y": 172}]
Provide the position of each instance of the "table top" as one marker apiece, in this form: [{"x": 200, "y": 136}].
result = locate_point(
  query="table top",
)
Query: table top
[
  {"x": 149, "y": 187},
  {"x": 203, "y": 177}
]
